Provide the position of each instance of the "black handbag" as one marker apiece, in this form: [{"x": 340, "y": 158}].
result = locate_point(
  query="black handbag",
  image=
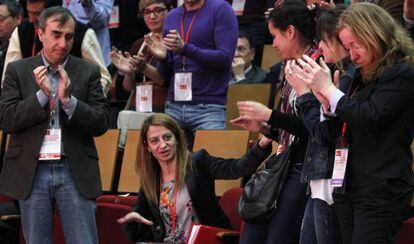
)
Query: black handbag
[{"x": 259, "y": 200}]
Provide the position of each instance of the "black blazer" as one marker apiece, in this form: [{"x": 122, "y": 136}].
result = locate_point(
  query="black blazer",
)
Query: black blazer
[
  {"x": 200, "y": 183},
  {"x": 253, "y": 76},
  {"x": 26, "y": 121},
  {"x": 380, "y": 120}
]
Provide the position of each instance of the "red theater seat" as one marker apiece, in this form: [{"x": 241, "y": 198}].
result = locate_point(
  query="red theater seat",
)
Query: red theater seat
[
  {"x": 109, "y": 209},
  {"x": 228, "y": 203},
  {"x": 406, "y": 235}
]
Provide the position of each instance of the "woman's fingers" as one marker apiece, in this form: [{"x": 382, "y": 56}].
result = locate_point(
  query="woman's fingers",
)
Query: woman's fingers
[{"x": 134, "y": 217}]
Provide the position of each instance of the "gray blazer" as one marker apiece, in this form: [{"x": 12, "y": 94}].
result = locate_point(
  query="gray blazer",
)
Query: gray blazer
[{"x": 24, "y": 119}]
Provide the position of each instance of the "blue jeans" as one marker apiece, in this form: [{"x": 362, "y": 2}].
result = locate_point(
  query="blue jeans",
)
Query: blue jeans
[
  {"x": 53, "y": 185},
  {"x": 197, "y": 117},
  {"x": 320, "y": 224},
  {"x": 284, "y": 226}
]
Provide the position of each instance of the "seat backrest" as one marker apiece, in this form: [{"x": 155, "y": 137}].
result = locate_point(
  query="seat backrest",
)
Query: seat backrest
[
  {"x": 224, "y": 144},
  {"x": 243, "y": 92},
  {"x": 228, "y": 203},
  {"x": 109, "y": 230},
  {"x": 107, "y": 147},
  {"x": 270, "y": 57},
  {"x": 129, "y": 180},
  {"x": 129, "y": 200}
]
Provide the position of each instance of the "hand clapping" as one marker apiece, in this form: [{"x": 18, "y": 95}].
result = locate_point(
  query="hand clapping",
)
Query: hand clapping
[{"x": 42, "y": 80}]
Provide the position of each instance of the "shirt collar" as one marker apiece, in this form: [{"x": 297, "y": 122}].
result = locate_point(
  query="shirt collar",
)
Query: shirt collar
[
  {"x": 248, "y": 69},
  {"x": 48, "y": 65}
]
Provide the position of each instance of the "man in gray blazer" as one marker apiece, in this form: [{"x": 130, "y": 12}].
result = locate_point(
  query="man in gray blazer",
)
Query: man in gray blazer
[{"x": 52, "y": 106}]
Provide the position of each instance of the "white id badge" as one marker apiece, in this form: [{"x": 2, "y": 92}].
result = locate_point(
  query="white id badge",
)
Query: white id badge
[
  {"x": 51, "y": 145},
  {"x": 182, "y": 87},
  {"x": 238, "y": 6},
  {"x": 338, "y": 175},
  {"x": 143, "y": 97},
  {"x": 114, "y": 18}
]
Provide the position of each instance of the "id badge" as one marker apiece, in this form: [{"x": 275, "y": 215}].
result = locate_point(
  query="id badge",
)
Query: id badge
[
  {"x": 51, "y": 145},
  {"x": 238, "y": 6},
  {"x": 114, "y": 18},
  {"x": 338, "y": 175},
  {"x": 280, "y": 149},
  {"x": 143, "y": 97},
  {"x": 182, "y": 87}
]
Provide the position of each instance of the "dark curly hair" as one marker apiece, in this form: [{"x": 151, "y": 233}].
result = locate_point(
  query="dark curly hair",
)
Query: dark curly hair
[{"x": 297, "y": 14}]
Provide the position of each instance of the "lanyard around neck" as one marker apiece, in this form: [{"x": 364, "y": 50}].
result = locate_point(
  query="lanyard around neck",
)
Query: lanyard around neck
[
  {"x": 173, "y": 206},
  {"x": 186, "y": 35}
]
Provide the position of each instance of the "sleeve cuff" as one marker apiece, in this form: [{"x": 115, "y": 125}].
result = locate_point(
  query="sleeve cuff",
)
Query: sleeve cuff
[
  {"x": 69, "y": 107},
  {"x": 42, "y": 98},
  {"x": 408, "y": 22},
  {"x": 334, "y": 99}
]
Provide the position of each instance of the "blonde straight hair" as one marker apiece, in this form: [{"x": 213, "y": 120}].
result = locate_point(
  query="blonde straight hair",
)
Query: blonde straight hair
[
  {"x": 385, "y": 40},
  {"x": 148, "y": 167}
]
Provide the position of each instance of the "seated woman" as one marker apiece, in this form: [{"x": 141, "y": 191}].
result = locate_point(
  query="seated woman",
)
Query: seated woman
[{"x": 177, "y": 187}]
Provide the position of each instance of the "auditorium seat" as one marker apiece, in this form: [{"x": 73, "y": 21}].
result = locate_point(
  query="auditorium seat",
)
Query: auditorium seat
[
  {"x": 109, "y": 209},
  {"x": 229, "y": 202},
  {"x": 270, "y": 57},
  {"x": 224, "y": 144},
  {"x": 244, "y": 92},
  {"x": 406, "y": 234},
  {"x": 129, "y": 179},
  {"x": 107, "y": 148}
]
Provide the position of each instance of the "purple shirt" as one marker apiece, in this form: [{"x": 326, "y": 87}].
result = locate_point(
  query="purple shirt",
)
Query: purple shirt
[{"x": 209, "y": 51}]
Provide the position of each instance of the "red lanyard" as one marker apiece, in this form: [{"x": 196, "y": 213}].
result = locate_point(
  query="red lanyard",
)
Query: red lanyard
[
  {"x": 343, "y": 133},
  {"x": 187, "y": 34},
  {"x": 34, "y": 43},
  {"x": 67, "y": 3},
  {"x": 173, "y": 207}
]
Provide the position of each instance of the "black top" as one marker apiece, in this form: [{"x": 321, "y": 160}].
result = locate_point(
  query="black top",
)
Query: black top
[{"x": 380, "y": 120}]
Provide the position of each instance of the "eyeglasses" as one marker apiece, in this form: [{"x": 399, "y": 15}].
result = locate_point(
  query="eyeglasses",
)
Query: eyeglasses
[
  {"x": 156, "y": 11},
  {"x": 3, "y": 18}
]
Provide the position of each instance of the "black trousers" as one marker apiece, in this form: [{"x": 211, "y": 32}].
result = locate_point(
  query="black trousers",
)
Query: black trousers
[{"x": 374, "y": 213}]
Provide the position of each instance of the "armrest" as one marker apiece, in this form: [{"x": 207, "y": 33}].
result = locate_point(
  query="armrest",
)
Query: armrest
[{"x": 12, "y": 217}]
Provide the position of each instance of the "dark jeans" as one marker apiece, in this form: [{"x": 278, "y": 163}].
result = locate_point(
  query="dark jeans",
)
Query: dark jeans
[
  {"x": 374, "y": 213},
  {"x": 284, "y": 226},
  {"x": 320, "y": 224}
]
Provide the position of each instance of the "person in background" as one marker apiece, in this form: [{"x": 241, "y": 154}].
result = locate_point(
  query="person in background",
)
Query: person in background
[
  {"x": 195, "y": 57},
  {"x": 10, "y": 17},
  {"x": 292, "y": 25},
  {"x": 177, "y": 187},
  {"x": 375, "y": 119},
  {"x": 408, "y": 16},
  {"x": 25, "y": 42},
  {"x": 244, "y": 72},
  {"x": 253, "y": 21},
  {"x": 95, "y": 14},
  {"x": 11, "y": 14},
  {"x": 134, "y": 64}
]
